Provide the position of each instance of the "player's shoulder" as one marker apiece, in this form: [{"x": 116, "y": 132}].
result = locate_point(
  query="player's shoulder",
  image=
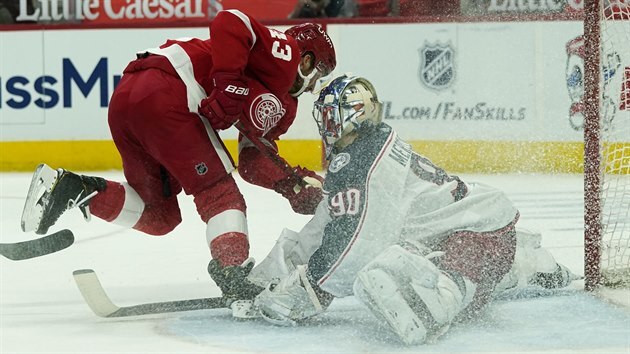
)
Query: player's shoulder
[
  {"x": 233, "y": 16},
  {"x": 355, "y": 160},
  {"x": 193, "y": 46},
  {"x": 372, "y": 138}
]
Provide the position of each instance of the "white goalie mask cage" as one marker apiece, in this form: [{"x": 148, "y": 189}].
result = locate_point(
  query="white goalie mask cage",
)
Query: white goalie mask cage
[{"x": 343, "y": 106}]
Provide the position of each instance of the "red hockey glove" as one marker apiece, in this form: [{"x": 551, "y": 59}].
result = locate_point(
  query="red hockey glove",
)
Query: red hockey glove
[
  {"x": 224, "y": 106},
  {"x": 303, "y": 200}
]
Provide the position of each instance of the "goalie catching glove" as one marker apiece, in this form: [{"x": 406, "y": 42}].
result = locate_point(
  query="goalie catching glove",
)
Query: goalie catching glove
[
  {"x": 292, "y": 299},
  {"x": 224, "y": 106},
  {"x": 303, "y": 190}
]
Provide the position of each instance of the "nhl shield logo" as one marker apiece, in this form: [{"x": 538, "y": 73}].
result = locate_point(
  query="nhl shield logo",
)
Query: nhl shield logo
[
  {"x": 201, "y": 168},
  {"x": 437, "y": 66}
]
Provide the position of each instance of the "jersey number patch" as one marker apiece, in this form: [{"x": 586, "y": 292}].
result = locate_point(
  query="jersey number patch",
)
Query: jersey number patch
[
  {"x": 277, "y": 50},
  {"x": 345, "y": 203}
]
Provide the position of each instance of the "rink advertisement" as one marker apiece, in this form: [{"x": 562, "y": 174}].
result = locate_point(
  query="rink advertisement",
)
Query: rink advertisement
[
  {"x": 495, "y": 96},
  {"x": 99, "y": 11},
  {"x": 505, "y": 93},
  {"x": 54, "y": 95}
]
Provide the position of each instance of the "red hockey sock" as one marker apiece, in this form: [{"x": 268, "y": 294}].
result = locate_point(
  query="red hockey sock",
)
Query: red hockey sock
[
  {"x": 231, "y": 248},
  {"x": 108, "y": 203}
]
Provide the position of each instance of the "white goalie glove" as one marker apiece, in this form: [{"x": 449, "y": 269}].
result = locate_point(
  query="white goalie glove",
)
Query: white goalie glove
[{"x": 287, "y": 301}]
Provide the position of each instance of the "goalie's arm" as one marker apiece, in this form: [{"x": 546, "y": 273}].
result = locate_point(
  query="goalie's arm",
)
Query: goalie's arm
[
  {"x": 346, "y": 206},
  {"x": 334, "y": 262}
]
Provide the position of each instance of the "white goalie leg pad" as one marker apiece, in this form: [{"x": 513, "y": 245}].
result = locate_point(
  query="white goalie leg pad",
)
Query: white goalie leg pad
[
  {"x": 530, "y": 259},
  {"x": 287, "y": 301},
  {"x": 524, "y": 266},
  {"x": 291, "y": 249},
  {"x": 411, "y": 294},
  {"x": 278, "y": 263}
]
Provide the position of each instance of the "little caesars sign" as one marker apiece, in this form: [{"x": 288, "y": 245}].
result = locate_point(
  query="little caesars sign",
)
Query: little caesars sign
[{"x": 111, "y": 10}]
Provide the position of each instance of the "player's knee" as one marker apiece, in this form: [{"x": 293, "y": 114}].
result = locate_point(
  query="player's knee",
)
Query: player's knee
[
  {"x": 159, "y": 228},
  {"x": 166, "y": 226},
  {"x": 381, "y": 293},
  {"x": 405, "y": 263},
  {"x": 417, "y": 299},
  {"x": 159, "y": 221}
]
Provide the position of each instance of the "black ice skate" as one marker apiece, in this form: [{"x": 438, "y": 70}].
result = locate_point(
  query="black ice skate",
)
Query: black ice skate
[
  {"x": 52, "y": 192},
  {"x": 233, "y": 280}
]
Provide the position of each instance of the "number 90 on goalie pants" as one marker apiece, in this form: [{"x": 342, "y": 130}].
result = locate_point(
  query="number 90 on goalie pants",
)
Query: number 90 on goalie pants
[{"x": 411, "y": 294}]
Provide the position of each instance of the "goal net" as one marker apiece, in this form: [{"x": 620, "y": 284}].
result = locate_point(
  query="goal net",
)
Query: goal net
[{"x": 607, "y": 143}]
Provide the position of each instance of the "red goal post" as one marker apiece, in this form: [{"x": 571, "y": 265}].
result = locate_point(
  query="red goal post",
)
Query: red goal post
[{"x": 607, "y": 143}]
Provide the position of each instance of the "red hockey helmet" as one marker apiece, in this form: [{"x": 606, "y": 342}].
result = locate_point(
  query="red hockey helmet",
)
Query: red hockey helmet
[{"x": 312, "y": 38}]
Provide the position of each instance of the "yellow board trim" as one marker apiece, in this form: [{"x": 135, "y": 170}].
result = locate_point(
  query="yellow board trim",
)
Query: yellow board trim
[
  {"x": 504, "y": 156},
  {"x": 454, "y": 156},
  {"x": 100, "y": 155}
]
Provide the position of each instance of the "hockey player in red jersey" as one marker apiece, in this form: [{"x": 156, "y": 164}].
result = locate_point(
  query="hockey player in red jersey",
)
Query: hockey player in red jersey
[
  {"x": 419, "y": 247},
  {"x": 164, "y": 116}
]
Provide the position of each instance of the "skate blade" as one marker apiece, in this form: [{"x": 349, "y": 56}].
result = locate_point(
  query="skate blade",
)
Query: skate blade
[
  {"x": 44, "y": 179},
  {"x": 382, "y": 298}
]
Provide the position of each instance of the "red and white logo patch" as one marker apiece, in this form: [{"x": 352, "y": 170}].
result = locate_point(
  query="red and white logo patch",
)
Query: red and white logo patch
[{"x": 266, "y": 111}]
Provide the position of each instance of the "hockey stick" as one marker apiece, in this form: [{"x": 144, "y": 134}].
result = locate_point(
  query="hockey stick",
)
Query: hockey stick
[
  {"x": 98, "y": 300},
  {"x": 38, "y": 247},
  {"x": 272, "y": 155}
]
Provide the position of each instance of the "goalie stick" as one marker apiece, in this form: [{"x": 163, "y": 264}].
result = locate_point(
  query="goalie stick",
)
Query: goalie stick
[
  {"x": 97, "y": 299},
  {"x": 38, "y": 247}
]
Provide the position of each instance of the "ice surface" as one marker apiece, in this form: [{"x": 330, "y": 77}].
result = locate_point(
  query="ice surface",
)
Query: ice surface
[{"x": 41, "y": 311}]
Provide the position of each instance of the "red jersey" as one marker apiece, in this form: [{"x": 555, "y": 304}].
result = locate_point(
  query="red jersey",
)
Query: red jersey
[
  {"x": 267, "y": 57},
  {"x": 240, "y": 44}
]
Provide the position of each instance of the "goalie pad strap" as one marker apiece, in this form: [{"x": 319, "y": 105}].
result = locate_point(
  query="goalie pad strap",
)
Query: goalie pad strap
[{"x": 309, "y": 288}]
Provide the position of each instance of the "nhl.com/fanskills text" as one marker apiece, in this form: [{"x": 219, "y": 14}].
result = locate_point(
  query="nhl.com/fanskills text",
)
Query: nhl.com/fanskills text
[
  {"x": 451, "y": 111},
  {"x": 73, "y": 10}
]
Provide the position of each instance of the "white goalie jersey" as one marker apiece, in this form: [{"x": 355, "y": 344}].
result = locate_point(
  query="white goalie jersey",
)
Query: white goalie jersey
[{"x": 379, "y": 192}]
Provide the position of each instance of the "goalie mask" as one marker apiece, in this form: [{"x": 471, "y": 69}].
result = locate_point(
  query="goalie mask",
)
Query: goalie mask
[{"x": 343, "y": 106}]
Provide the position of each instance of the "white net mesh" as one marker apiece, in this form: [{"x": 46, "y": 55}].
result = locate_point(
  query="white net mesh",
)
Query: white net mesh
[{"x": 615, "y": 142}]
